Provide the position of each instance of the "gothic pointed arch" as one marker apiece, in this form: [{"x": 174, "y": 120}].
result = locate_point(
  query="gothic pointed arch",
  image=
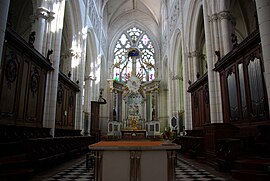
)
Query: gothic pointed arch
[
  {"x": 91, "y": 66},
  {"x": 21, "y": 17},
  {"x": 177, "y": 59},
  {"x": 72, "y": 28},
  {"x": 134, "y": 42}
]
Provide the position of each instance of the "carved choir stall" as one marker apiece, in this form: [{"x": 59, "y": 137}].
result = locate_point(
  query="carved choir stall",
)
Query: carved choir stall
[
  {"x": 23, "y": 82},
  {"x": 27, "y": 146},
  {"x": 245, "y": 109}
]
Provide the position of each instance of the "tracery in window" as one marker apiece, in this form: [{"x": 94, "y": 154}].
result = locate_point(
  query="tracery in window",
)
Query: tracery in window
[{"x": 134, "y": 52}]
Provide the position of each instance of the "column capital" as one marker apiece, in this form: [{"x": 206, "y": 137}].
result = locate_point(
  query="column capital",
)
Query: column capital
[
  {"x": 71, "y": 53},
  {"x": 42, "y": 12},
  {"x": 213, "y": 17},
  {"x": 188, "y": 54},
  {"x": 196, "y": 53},
  {"x": 177, "y": 77},
  {"x": 75, "y": 53},
  {"x": 66, "y": 55},
  {"x": 51, "y": 16},
  {"x": 224, "y": 15}
]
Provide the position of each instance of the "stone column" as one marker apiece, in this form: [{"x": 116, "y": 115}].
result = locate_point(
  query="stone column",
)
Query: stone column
[
  {"x": 87, "y": 101},
  {"x": 189, "y": 69},
  {"x": 84, "y": 110},
  {"x": 120, "y": 97},
  {"x": 75, "y": 63},
  {"x": 52, "y": 77},
  {"x": 66, "y": 63},
  {"x": 213, "y": 77},
  {"x": 176, "y": 80},
  {"x": 39, "y": 26},
  {"x": 214, "y": 21},
  {"x": 187, "y": 96},
  {"x": 147, "y": 98},
  {"x": 225, "y": 17},
  {"x": 111, "y": 99},
  {"x": 80, "y": 79},
  {"x": 171, "y": 105},
  {"x": 156, "y": 104},
  {"x": 196, "y": 55},
  {"x": 263, "y": 11},
  {"x": 4, "y": 7}
]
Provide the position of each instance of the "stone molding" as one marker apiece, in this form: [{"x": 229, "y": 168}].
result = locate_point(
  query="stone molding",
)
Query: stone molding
[
  {"x": 224, "y": 15},
  {"x": 213, "y": 17},
  {"x": 188, "y": 54},
  {"x": 177, "y": 77},
  {"x": 42, "y": 12},
  {"x": 196, "y": 54}
]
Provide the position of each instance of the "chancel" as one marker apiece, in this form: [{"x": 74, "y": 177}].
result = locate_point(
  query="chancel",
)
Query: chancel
[{"x": 158, "y": 87}]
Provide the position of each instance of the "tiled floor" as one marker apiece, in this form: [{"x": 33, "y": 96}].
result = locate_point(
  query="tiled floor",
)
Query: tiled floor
[{"x": 186, "y": 170}]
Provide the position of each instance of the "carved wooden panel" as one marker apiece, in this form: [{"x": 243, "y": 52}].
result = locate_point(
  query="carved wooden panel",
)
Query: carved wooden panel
[
  {"x": 94, "y": 116},
  {"x": 65, "y": 107},
  {"x": 243, "y": 89},
  {"x": 9, "y": 83},
  {"x": 22, "y": 83},
  {"x": 66, "y": 103},
  {"x": 200, "y": 102}
]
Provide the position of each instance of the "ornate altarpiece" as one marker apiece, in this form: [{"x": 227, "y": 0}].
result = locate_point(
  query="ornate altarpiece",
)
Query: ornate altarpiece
[
  {"x": 134, "y": 87},
  {"x": 134, "y": 108}
]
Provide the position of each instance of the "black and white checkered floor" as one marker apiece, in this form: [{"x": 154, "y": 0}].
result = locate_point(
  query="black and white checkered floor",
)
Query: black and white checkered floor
[
  {"x": 187, "y": 172},
  {"x": 184, "y": 171}
]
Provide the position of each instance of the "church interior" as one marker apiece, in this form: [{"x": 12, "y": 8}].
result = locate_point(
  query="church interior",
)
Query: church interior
[{"x": 151, "y": 84}]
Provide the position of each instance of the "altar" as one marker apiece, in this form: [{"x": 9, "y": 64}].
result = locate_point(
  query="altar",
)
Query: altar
[
  {"x": 133, "y": 134},
  {"x": 134, "y": 160}
]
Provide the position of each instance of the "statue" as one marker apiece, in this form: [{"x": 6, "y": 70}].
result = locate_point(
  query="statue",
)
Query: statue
[
  {"x": 217, "y": 54},
  {"x": 234, "y": 40},
  {"x": 48, "y": 55},
  {"x": 31, "y": 39}
]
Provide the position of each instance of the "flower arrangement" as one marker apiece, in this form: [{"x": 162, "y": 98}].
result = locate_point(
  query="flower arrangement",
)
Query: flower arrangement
[{"x": 169, "y": 134}]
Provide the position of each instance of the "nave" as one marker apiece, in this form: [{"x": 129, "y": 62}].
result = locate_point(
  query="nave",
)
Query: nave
[{"x": 186, "y": 170}]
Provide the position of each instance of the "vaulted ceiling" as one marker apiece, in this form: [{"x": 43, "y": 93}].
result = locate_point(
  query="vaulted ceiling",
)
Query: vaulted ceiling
[
  {"x": 118, "y": 8},
  {"x": 122, "y": 12}
]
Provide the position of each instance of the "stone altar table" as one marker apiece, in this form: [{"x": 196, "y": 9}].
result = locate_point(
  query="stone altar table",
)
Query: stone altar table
[{"x": 134, "y": 160}]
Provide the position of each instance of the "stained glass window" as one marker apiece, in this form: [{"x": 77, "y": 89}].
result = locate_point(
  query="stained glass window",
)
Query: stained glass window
[{"x": 134, "y": 38}]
